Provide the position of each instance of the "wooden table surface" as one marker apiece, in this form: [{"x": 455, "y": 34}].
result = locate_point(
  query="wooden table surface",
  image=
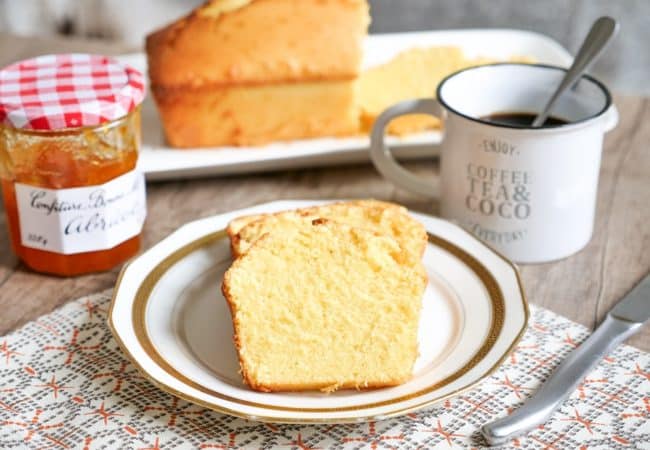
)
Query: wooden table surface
[{"x": 582, "y": 287}]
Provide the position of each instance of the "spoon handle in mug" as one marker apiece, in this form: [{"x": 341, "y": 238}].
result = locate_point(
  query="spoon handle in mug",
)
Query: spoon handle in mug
[{"x": 599, "y": 35}]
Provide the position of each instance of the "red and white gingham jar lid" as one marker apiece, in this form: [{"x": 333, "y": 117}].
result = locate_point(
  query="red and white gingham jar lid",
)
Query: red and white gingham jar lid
[{"x": 55, "y": 92}]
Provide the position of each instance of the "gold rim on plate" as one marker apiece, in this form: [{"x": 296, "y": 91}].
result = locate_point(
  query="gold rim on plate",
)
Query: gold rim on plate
[{"x": 143, "y": 296}]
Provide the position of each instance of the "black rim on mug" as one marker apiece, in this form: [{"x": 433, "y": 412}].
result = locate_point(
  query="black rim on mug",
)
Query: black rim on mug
[{"x": 599, "y": 84}]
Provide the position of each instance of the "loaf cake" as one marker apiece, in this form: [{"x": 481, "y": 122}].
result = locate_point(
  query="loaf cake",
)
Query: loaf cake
[
  {"x": 383, "y": 217},
  {"x": 240, "y": 72},
  {"x": 324, "y": 305}
]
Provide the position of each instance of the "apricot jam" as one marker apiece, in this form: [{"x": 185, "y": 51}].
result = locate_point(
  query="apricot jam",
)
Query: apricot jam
[
  {"x": 68, "y": 159},
  {"x": 72, "y": 194}
]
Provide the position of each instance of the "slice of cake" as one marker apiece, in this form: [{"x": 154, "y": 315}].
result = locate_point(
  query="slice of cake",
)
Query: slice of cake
[
  {"x": 325, "y": 306},
  {"x": 414, "y": 73},
  {"x": 239, "y": 72},
  {"x": 382, "y": 217}
]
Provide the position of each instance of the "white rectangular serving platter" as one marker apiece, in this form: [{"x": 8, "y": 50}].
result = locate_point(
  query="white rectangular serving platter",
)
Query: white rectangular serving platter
[{"x": 159, "y": 161}]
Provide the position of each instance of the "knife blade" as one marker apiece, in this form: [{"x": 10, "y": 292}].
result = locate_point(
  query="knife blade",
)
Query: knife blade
[
  {"x": 621, "y": 322},
  {"x": 635, "y": 306}
]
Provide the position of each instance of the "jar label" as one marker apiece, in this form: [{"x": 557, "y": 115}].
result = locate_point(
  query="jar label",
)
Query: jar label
[{"x": 82, "y": 219}]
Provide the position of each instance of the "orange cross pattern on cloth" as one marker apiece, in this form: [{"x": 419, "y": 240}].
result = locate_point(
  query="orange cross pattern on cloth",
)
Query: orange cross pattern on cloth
[
  {"x": 54, "y": 386},
  {"x": 74, "y": 348},
  {"x": 477, "y": 406},
  {"x": 372, "y": 437},
  {"x": 34, "y": 427},
  {"x": 7, "y": 352},
  {"x": 440, "y": 430},
  {"x": 105, "y": 415},
  {"x": 569, "y": 340},
  {"x": 515, "y": 388},
  {"x": 300, "y": 444},
  {"x": 92, "y": 308},
  {"x": 174, "y": 413},
  {"x": 582, "y": 421},
  {"x": 612, "y": 397},
  {"x": 640, "y": 372},
  {"x": 119, "y": 375}
]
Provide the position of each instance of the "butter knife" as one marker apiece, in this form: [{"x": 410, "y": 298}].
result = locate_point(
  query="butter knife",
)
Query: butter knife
[{"x": 622, "y": 321}]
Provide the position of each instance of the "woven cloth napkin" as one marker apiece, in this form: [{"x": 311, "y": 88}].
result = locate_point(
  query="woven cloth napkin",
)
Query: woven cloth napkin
[{"x": 64, "y": 383}]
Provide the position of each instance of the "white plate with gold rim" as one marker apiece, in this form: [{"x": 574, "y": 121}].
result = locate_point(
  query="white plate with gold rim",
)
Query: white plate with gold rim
[
  {"x": 170, "y": 318},
  {"x": 159, "y": 161}
]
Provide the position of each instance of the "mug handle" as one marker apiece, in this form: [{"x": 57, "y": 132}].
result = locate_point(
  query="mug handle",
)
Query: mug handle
[{"x": 383, "y": 159}]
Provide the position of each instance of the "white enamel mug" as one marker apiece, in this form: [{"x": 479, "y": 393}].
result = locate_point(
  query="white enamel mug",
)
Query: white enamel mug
[{"x": 529, "y": 193}]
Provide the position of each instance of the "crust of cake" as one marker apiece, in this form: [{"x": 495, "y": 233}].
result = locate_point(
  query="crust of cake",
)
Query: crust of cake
[
  {"x": 235, "y": 227},
  {"x": 236, "y": 224},
  {"x": 278, "y": 387},
  {"x": 326, "y": 388},
  {"x": 235, "y": 325},
  {"x": 240, "y": 222},
  {"x": 226, "y": 42}
]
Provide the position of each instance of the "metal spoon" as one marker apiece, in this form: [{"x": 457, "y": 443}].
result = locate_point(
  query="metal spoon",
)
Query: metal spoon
[{"x": 600, "y": 34}]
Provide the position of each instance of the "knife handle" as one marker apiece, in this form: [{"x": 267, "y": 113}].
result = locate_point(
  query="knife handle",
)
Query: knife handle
[{"x": 562, "y": 382}]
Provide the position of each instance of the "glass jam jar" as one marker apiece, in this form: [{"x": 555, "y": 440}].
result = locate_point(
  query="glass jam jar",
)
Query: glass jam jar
[{"x": 69, "y": 141}]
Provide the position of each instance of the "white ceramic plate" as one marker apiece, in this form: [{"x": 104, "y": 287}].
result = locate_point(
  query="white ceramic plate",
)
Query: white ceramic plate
[
  {"x": 159, "y": 161},
  {"x": 170, "y": 318}
]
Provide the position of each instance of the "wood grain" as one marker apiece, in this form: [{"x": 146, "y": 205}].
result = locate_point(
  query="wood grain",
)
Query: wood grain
[{"x": 582, "y": 287}]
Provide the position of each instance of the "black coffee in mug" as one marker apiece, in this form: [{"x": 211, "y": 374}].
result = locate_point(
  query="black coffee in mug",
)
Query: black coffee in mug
[{"x": 522, "y": 119}]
